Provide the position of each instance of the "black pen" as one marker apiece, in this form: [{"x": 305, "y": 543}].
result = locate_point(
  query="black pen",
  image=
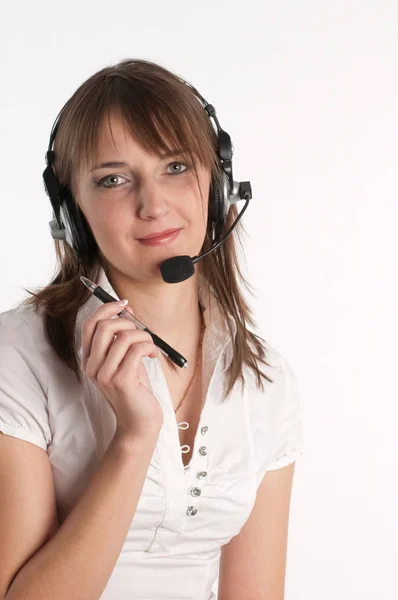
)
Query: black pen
[{"x": 167, "y": 350}]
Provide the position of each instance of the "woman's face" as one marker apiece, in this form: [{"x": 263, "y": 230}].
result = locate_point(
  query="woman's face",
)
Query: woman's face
[{"x": 146, "y": 194}]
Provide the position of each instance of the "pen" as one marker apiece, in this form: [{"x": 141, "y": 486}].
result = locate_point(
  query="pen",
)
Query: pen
[{"x": 167, "y": 350}]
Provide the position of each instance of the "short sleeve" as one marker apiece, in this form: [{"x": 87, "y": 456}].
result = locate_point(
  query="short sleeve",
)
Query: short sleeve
[
  {"x": 287, "y": 436},
  {"x": 23, "y": 400}
]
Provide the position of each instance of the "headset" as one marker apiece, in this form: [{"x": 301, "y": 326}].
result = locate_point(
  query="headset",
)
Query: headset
[{"x": 69, "y": 223}]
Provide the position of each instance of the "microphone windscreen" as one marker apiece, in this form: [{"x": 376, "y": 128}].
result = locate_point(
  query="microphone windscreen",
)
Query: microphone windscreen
[{"x": 177, "y": 268}]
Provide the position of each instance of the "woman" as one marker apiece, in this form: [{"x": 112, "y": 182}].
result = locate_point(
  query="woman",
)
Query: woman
[{"x": 102, "y": 500}]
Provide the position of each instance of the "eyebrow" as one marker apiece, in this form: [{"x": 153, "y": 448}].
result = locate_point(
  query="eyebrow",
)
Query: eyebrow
[{"x": 117, "y": 164}]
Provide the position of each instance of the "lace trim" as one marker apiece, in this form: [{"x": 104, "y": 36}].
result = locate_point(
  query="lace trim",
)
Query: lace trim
[{"x": 185, "y": 445}]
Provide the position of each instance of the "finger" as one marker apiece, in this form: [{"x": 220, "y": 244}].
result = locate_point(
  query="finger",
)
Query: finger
[
  {"x": 104, "y": 311},
  {"x": 131, "y": 365},
  {"x": 106, "y": 349},
  {"x": 116, "y": 349},
  {"x": 105, "y": 332}
]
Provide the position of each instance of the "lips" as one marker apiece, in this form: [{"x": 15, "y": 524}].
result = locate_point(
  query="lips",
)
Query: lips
[
  {"x": 158, "y": 234},
  {"x": 161, "y": 240}
]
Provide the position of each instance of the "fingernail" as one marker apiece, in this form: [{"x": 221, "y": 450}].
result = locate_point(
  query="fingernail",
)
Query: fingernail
[{"x": 122, "y": 303}]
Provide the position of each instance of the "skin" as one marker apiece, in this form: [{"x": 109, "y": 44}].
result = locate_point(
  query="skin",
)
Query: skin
[{"x": 143, "y": 197}]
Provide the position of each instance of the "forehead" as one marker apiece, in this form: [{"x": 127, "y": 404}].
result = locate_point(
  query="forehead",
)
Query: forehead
[
  {"x": 113, "y": 133},
  {"x": 116, "y": 136}
]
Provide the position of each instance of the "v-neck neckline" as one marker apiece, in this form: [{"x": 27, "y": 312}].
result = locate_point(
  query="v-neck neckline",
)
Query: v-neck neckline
[{"x": 170, "y": 415}]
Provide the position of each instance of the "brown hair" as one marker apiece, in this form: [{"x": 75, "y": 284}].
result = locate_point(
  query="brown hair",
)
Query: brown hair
[{"x": 159, "y": 109}]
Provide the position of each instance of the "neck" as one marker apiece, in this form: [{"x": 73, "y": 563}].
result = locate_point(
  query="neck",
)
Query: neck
[{"x": 171, "y": 311}]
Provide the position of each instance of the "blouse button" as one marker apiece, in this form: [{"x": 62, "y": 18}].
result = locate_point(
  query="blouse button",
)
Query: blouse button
[
  {"x": 203, "y": 450},
  {"x": 204, "y": 430},
  {"x": 191, "y": 511},
  {"x": 196, "y": 492},
  {"x": 201, "y": 474}
]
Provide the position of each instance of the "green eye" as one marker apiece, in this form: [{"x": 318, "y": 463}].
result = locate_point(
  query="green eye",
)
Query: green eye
[
  {"x": 180, "y": 164},
  {"x": 102, "y": 182}
]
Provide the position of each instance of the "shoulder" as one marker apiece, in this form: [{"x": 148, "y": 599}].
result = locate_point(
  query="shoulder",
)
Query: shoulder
[
  {"x": 277, "y": 367},
  {"x": 280, "y": 393},
  {"x": 23, "y": 327},
  {"x": 284, "y": 374},
  {"x": 275, "y": 414},
  {"x": 24, "y": 377}
]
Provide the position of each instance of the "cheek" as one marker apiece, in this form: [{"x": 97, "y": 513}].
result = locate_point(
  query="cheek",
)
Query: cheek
[
  {"x": 203, "y": 210},
  {"x": 108, "y": 230},
  {"x": 105, "y": 216}
]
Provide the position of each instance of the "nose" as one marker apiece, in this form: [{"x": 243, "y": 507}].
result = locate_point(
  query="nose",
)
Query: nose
[{"x": 152, "y": 202}]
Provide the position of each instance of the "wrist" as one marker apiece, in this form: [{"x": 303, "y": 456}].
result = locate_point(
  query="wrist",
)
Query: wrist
[{"x": 130, "y": 439}]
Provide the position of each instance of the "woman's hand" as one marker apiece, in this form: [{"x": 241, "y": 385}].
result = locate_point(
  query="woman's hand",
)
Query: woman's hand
[{"x": 115, "y": 366}]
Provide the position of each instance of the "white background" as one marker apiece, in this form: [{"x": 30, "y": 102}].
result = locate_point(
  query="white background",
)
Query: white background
[{"x": 308, "y": 92}]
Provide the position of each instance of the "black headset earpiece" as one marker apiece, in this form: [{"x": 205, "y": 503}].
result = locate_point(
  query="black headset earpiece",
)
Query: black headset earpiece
[{"x": 69, "y": 223}]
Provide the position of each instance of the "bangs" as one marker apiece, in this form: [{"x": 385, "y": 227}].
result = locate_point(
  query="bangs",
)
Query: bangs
[{"x": 160, "y": 118}]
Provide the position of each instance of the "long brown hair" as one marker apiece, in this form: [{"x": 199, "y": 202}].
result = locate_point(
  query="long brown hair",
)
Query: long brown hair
[{"x": 162, "y": 112}]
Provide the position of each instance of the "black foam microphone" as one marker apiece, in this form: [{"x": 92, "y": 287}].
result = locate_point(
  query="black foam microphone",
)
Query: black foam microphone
[{"x": 180, "y": 268}]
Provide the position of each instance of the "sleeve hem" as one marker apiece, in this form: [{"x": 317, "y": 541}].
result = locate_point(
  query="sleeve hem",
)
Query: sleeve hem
[
  {"x": 23, "y": 434},
  {"x": 285, "y": 460}
]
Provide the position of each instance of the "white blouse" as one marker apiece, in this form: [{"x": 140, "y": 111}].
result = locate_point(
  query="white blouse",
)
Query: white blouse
[{"x": 184, "y": 515}]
